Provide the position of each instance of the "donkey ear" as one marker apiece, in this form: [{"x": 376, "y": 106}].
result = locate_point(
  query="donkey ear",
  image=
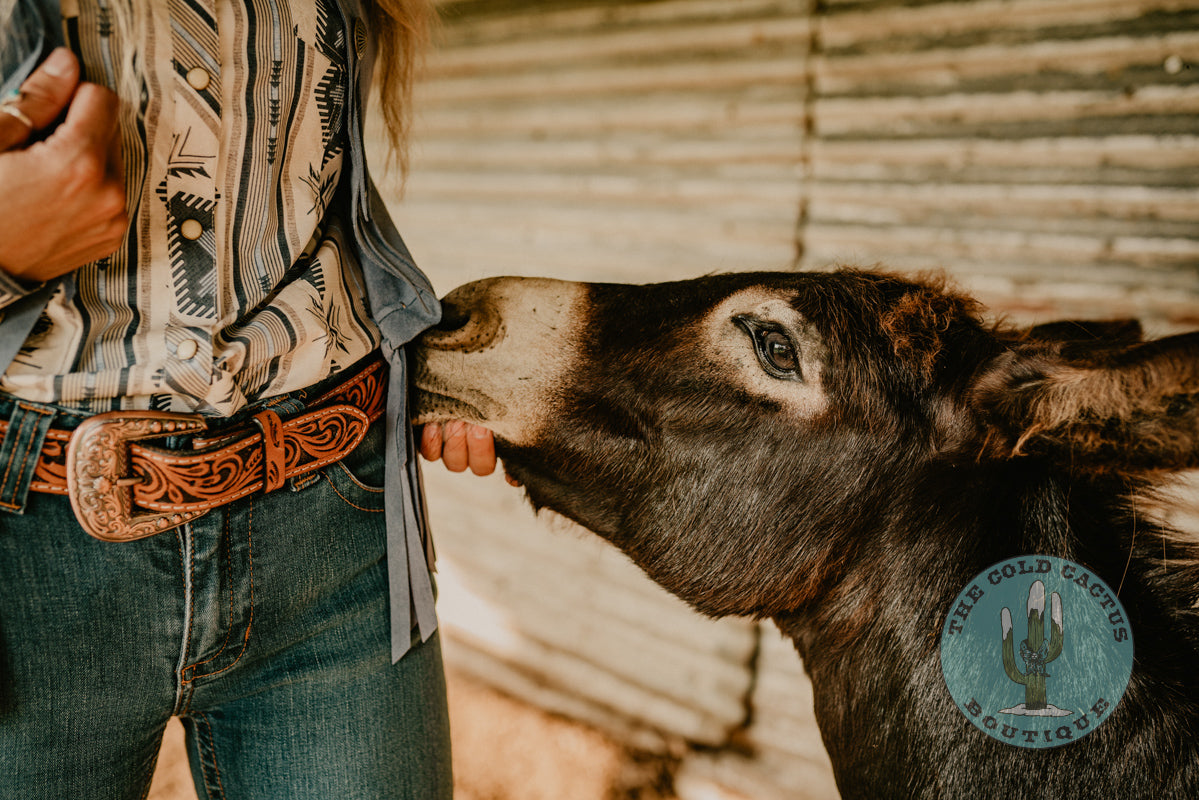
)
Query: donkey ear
[{"x": 1095, "y": 395}]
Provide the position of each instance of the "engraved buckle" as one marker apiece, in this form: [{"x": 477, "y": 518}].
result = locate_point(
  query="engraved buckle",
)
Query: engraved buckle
[{"x": 97, "y": 463}]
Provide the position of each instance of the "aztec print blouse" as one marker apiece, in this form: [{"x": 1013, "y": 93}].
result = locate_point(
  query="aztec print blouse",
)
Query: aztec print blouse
[
  {"x": 256, "y": 248},
  {"x": 235, "y": 281}
]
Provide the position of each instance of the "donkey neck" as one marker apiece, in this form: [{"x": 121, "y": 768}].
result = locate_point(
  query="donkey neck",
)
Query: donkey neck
[{"x": 871, "y": 643}]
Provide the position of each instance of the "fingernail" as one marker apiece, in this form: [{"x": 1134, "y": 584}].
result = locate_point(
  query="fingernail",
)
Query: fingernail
[
  {"x": 477, "y": 432},
  {"x": 59, "y": 63}
]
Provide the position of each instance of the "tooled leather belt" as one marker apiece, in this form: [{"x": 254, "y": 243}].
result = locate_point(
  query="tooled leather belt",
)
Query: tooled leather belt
[{"x": 122, "y": 489}]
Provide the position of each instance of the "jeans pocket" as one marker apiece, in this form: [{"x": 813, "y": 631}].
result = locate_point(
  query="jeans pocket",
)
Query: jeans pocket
[{"x": 358, "y": 478}]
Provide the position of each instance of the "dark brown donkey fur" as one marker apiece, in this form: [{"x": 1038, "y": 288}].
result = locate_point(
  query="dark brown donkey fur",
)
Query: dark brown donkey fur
[{"x": 843, "y": 452}]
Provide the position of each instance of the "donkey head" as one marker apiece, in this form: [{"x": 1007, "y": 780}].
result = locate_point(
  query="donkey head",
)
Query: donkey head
[{"x": 740, "y": 436}]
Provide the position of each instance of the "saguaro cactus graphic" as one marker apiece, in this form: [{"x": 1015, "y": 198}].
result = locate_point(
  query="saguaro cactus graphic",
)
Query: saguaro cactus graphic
[{"x": 1035, "y": 651}]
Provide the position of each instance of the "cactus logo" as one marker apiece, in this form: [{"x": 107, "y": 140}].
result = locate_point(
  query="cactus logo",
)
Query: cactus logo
[{"x": 1037, "y": 651}]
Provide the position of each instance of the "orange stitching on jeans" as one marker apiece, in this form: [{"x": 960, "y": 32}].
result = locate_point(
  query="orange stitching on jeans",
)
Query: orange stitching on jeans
[
  {"x": 348, "y": 501},
  {"x": 25, "y": 458},
  {"x": 229, "y": 625},
  {"x": 8, "y": 466},
  {"x": 354, "y": 479},
  {"x": 216, "y": 768},
  {"x": 188, "y": 568},
  {"x": 245, "y": 642},
  {"x": 28, "y": 444},
  {"x": 191, "y": 581}
]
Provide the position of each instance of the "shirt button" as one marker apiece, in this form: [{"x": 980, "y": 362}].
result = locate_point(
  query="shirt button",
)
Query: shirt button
[
  {"x": 360, "y": 39},
  {"x": 198, "y": 78},
  {"x": 186, "y": 349},
  {"x": 191, "y": 229}
]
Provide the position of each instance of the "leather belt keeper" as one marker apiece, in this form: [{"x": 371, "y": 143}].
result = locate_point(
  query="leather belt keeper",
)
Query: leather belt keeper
[{"x": 123, "y": 489}]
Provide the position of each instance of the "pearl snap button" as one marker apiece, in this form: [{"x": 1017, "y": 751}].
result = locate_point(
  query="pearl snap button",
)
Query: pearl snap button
[
  {"x": 191, "y": 229},
  {"x": 186, "y": 349},
  {"x": 198, "y": 78}
]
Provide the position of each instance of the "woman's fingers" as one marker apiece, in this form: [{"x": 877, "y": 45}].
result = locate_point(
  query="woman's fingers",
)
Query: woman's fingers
[
  {"x": 460, "y": 446},
  {"x": 480, "y": 450},
  {"x": 43, "y": 96},
  {"x": 64, "y": 200}
]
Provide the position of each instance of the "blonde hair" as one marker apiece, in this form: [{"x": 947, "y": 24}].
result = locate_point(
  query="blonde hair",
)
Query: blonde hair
[{"x": 402, "y": 29}]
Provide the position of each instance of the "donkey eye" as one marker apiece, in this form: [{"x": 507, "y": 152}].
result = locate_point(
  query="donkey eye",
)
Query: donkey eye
[
  {"x": 776, "y": 352},
  {"x": 777, "y": 349}
]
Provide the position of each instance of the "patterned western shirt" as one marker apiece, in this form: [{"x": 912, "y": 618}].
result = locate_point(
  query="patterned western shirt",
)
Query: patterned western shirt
[
  {"x": 234, "y": 282},
  {"x": 258, "y": 244}
]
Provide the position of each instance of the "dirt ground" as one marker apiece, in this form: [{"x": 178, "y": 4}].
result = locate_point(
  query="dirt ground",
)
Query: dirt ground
[{"x": 503, "y": 750}]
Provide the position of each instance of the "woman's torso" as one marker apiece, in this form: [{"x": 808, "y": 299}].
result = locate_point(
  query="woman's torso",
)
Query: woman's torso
[{"x": 235, "y": 281}]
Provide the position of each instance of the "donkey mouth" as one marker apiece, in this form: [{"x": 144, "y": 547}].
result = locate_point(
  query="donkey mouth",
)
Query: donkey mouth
[
  {"x": 430, "y": 406},
  {"x": 435, "y": 402}
]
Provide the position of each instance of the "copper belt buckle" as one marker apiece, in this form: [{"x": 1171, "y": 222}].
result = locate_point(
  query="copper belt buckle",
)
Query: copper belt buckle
[{"x": 97, "y": 473}]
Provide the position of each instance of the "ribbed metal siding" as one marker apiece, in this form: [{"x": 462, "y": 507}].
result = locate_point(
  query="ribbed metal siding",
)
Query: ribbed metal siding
[
  {"x": 612, "y": 141},
  {"x": 1046, "y": 152}
]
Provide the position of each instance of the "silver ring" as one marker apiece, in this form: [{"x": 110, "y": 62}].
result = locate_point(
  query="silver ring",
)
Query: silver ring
[{"x": 9, "y": 106}]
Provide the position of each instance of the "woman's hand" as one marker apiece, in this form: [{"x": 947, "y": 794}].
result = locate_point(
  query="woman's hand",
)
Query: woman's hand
[
  {"x": 62, "y": 199},
  {"x": 460, "y": 445}
]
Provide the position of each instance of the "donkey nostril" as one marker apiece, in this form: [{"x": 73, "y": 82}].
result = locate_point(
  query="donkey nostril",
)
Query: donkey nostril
[
  {"x": 453, "y": 317},
  {"x": 468, "y": 324}
]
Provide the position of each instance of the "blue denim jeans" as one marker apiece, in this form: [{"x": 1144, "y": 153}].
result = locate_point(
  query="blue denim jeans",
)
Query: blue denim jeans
[{"x": 263, "y": 625}]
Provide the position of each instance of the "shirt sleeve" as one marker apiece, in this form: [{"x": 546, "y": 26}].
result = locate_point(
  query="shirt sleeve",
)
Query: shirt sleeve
[
  {"x": 13, "y": 289},
  {"x": 19, "y": 316}
]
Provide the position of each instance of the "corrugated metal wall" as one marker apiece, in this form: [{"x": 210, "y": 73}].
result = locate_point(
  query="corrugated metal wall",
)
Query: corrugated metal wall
[
  {"x": 1043, "y": 152},
  {"x": 1046, "y": 152},
  {"x": 613, "y": 140}
]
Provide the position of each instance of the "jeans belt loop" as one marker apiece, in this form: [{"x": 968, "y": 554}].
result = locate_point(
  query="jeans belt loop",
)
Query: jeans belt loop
[{"x": 19, "y": 452}]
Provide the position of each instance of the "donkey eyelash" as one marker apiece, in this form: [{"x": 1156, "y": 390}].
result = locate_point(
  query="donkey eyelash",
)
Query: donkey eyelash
[{"x": 775, "y": 349}]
